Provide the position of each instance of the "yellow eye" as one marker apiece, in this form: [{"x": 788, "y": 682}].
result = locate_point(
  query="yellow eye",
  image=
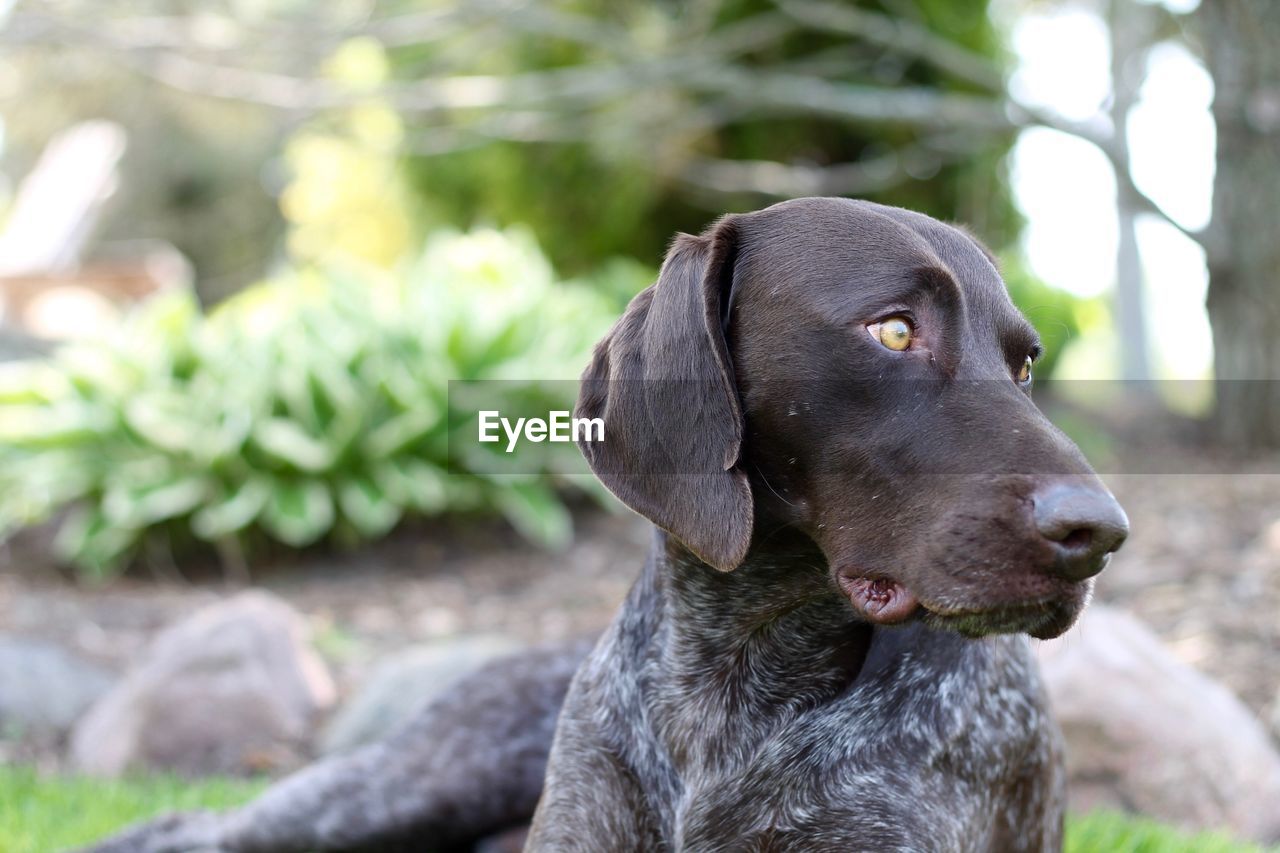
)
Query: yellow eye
[
  {"x": 893, "y": 333},
  {"x": 1024, "y": 375}
]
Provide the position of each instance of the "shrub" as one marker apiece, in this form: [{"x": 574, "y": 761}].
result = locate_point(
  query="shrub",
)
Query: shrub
[
  {"x": 308, "y": 407},
  {"x": 1057, "y": 315}
]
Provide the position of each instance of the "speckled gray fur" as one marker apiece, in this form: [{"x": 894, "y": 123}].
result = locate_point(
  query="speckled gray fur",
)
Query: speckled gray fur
[{"x": 697, "y": 725}]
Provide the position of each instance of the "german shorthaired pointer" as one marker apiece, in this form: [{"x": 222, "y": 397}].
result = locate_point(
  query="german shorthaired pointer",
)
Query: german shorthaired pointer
[{"x": 823, "y": 408}]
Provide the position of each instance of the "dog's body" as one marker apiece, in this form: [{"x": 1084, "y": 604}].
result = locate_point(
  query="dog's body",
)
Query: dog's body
[
  {"x": 704, "y": 720},
  {"x": 822, "y": 407}
]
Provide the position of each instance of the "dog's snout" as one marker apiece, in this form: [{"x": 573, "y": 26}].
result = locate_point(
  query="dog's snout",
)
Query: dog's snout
[{"x": 1084, "y": 525}]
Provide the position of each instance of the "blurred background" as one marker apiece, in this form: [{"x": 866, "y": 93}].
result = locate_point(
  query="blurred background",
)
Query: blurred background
[{"x": 245, "y": 244}]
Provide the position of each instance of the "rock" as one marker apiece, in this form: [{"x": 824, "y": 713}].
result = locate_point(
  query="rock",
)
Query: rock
[
  {"x": 1147, "y": 733},
  {"x": 403, "y": 683},
  {"x": 1275, "y": 716},
  {"x": 1270, "y": 538},
  {"x": 232, "y": 689},
  {"x": 44, "y": 688}
]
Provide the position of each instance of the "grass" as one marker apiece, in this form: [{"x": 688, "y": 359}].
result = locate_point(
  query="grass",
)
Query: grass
[
  {"x": 1108, "y": 832},
  {"x": 48, "y": 814}
]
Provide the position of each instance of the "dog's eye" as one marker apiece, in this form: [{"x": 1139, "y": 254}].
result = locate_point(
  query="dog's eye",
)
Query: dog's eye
[
  {"x": 1024, "y": 375},
  {"x": 893, "y": 333}
]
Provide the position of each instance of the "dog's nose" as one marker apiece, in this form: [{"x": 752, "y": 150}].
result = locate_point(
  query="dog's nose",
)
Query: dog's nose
[{"x": 1084, "y": 524}]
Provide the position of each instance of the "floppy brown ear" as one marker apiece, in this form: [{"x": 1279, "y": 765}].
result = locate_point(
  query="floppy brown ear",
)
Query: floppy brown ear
[{"x": 663, "y": 384}]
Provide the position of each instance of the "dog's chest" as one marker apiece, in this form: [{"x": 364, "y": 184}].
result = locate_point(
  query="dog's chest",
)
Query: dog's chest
[
  {"x": 919, "y": 755},
  {"x": 876, "y": 801}
]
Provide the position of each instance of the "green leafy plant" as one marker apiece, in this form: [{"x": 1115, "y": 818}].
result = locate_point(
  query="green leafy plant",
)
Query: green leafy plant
[
  {"x": 1100, "y": 831},
  {"x": 312, "y": 406},
  {"x": 1057, "y": 315},
  {"x": 41, "y": 813}
]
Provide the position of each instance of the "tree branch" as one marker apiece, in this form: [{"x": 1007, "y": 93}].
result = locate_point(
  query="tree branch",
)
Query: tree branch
[
  {"x": 899, "y": 35},
  {"x": 778, "y": 180},
  {"x": 539, "y": 19},
  {"x": 1103, "y": 138},
  {"x": 913, "y": 106},
  {"x": 574, "y": 88},
  {"x": 904, "y": 36},
  {"x": 523, "y": 106}
]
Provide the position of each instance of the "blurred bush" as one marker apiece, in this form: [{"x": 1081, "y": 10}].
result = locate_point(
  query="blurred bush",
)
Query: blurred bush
[
  {"x": 1060, "y": 317},
  {"x": 310, "y": 407},
  {"x": 619, "y": 172},
  {"x": 346, "y": 196}
]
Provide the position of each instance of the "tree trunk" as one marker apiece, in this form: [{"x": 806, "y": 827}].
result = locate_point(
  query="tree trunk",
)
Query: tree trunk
[
  {"x": 1242, "y": 51},
  {"x": 1130, "y": 28}
]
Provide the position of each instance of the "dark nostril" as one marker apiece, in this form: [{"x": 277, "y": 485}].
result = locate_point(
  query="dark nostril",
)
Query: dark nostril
[
  {"x": 1077, "y": 540},
  {"x": 1083, "y": 523}
]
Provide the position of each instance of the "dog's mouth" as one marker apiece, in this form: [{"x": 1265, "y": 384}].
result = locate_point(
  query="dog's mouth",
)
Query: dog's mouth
[
  {"x": 881, "y": 600},
  {"x": 1043, "y": 620}
]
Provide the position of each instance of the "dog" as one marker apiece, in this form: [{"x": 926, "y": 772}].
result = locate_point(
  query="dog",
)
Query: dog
[{"x": 823, "y": 407}]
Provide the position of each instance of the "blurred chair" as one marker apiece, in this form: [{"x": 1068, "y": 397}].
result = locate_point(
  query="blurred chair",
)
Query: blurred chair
[{"x": 48, "y": 290}]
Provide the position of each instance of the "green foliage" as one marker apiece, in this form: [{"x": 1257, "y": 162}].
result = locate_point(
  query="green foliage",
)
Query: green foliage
[
  {"x": 611, "y": 174},
  {"x": 1057, "y": 315},
  {"x": 311, "y": 407},
  {"x": 41, "y": 814},
  {"x": 1110, "y": 832}
]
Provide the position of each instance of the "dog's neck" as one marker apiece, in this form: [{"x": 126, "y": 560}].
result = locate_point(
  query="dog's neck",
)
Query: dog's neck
[
  {"x": 744, "y": 649},
  {"x": 779, "y": 579}
]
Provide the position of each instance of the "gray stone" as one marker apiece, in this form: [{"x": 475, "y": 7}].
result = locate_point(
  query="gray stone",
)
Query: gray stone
[
  {"x": 44, "y": 688},
  {"x": 402, "y": 683},
  {"x": 232, "y": 689},
  {"x": 1275, "y": 717},
  {"x": 1147, "y": 733}
]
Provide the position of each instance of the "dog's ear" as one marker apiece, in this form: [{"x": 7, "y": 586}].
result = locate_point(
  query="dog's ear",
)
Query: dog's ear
[{"x": 663, "y": 384}]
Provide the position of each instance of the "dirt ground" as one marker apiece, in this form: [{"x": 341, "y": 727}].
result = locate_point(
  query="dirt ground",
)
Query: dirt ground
[
  {"x": 418, "y": 586},
  {"x": 1202, "y": 567}
]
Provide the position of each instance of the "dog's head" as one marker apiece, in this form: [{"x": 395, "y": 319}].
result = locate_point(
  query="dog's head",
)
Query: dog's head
[{"x": 856, "y": 373}]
